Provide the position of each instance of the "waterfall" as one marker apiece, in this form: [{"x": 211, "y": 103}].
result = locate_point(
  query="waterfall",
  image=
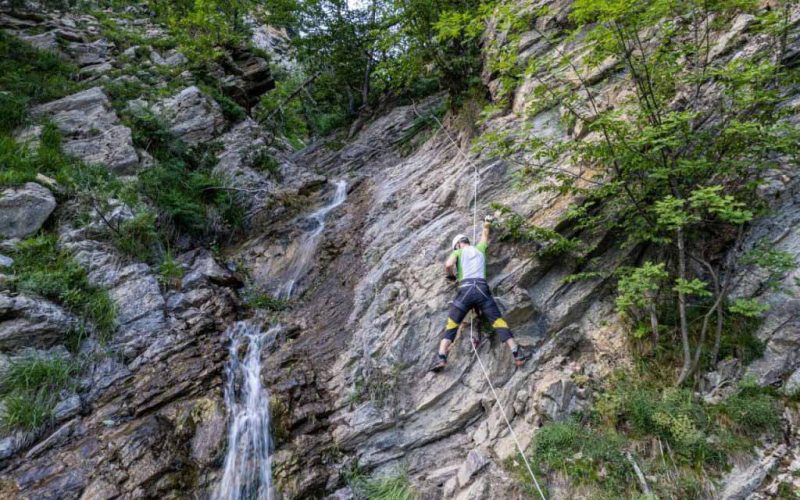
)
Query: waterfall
[
  {"x": 247, "y": 472},
  {"x": 307, "y": 246}
]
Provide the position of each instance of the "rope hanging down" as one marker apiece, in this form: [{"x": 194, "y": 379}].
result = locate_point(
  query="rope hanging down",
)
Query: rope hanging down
[{"x": 472, "y": 320}]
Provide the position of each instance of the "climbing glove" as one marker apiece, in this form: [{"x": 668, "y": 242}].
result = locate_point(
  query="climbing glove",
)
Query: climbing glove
[{"x": 487, "y": 221}]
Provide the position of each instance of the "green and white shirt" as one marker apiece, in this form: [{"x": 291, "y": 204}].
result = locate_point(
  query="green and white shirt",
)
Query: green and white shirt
[{"x": 471, "y": 261}]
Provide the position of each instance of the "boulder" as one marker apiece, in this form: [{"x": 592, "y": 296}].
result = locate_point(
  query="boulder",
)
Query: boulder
[
  {"x": 91, "y": 129},
  {"x": 24, "y": 209},
  {"x": 204, "y": 269},
  {"x": 192, "y": 116},
  {"x": 248, "y": 78},
  {"x": 43, "y": 41},
  {"x": 88, "y": 54},
  {"x": 31, "y": 322}
]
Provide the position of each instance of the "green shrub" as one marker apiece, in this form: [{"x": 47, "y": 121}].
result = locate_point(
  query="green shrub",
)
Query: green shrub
[
  {"x": 230, "y": 109},
  {"x": 28, "y": 411},
  {"x": 30, "y": 389},
  {"x": 265, "y": 162},
  {"x": 187, "y": 197},
  {"x": 41, "y": 268},
  {"x": 29, "y": 76},
  {"x": 33, "y": 373},
  {"x": 138, "y": 237},
  {"x": 183, "y": 188},
  {"x": 638, "y": 412},
  {"x": 585, "y": 455},
  {"x": 751, "y": 410}
]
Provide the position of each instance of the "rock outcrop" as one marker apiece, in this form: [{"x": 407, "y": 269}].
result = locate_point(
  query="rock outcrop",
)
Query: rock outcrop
[
  {"x": 24, "y": 209},
  {"x": 31, "y": 322},
  {"x": 91, "y": 129},
  {"x": 191, "y": 115}
]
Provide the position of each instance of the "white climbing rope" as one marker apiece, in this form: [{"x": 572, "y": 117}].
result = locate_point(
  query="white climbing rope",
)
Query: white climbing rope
[{"x": 472, "y": 320}]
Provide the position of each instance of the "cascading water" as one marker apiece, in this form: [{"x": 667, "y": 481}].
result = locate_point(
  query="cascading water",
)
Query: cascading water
[
  {"x": 307, "y": 246},
  {"x": 247, "y": 473}
]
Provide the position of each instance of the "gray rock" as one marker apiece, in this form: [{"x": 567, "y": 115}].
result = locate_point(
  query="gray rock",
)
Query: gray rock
[
  {"x": 743, "y": 480},
  {"x": 472, "y": 465},
  {"x": 103, "y": 375},
  {"x": 67, "y": 408},
  {"x": 175, "y": 58},
  {"x": 210, "y": 432},
  {"x": 92, "y": 129},
  {"x": 140, "y": 306},
  {"x": 203, "y": 268},
  {"x": 112, "y": 147},
  {"x": 43, "y": 41},
  {"x": 341, "y": 494},
  {"x": 730, "y": 37},
  {"x": 192, "y": 116},
  {"x": 130, "y": 51},
  {"x": 156, "y": 58},
  {"x": 87, "y": 54},
  {"x": 24, "y": 209},
  {"x": 31, "y": 322},
  {"x": 14, "y": 442},
  {"x": 792, "y": 385},
  {"x": 96, "y": 70}
]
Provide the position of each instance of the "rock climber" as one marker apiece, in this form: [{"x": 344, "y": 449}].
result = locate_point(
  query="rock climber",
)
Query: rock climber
[{"x": 467, "y": 265}]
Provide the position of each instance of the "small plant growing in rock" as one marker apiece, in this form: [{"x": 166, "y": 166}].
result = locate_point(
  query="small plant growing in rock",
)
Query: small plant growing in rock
[
  {"x": 170, "y": 271},
  {"x": 42, "y": 269},
  {"x": 258, "y": 299},
  {"x": 389, "y": 487},
  {"x": 263, "y": 160},
  {"x": 30, "y": 389}
]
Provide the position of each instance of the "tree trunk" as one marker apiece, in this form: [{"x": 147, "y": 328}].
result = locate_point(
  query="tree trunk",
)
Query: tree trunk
[
  {"x": 654, "y": 324},
  {"x": 687, "y": 353}
]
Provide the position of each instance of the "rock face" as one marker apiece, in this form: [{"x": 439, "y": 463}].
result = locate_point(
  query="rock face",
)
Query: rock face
[
  {"x": 30, "y": 322},
  {"x": 262, "y": 193},
  {"x": 191, "y": 115},
  {"x": 92, "y": 130},
  {"x": 275, "y": 41},
  {"x": 249, "y": 77},
  {"x": 24, "y": 209},
  {"x": 348, "y": 372},
  {"x": 377, "y": 304}
]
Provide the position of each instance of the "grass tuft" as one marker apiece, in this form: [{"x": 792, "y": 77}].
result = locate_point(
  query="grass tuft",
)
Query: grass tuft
[
  {"x": 395, "y": 487},
  {"x": 30, "y": 389},
  {"x": 42, "y": 269}
]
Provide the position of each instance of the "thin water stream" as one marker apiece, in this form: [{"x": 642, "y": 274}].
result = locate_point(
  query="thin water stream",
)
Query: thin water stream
[
  {"x": 247, "y": 472},
  {"x": 307, "y": 246}
]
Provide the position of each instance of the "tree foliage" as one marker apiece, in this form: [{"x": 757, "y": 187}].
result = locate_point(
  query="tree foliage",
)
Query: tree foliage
[{"x": 680, "y": 160}]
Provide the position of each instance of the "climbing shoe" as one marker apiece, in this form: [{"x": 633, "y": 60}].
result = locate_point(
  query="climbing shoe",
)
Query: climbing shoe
[
  {"x": 439, "y": 363},
  {"x": 521, "y": 355}
]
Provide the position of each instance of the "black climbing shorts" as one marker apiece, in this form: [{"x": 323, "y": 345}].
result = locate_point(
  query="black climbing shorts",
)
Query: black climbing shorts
[{"x": 475, "y": 293}]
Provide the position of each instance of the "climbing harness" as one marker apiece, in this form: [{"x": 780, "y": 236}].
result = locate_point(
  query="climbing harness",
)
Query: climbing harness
[{"x": 472, "y": 320}]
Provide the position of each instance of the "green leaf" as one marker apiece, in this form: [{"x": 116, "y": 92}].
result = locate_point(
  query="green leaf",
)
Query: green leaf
[{"x": 750, "y": 308}]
